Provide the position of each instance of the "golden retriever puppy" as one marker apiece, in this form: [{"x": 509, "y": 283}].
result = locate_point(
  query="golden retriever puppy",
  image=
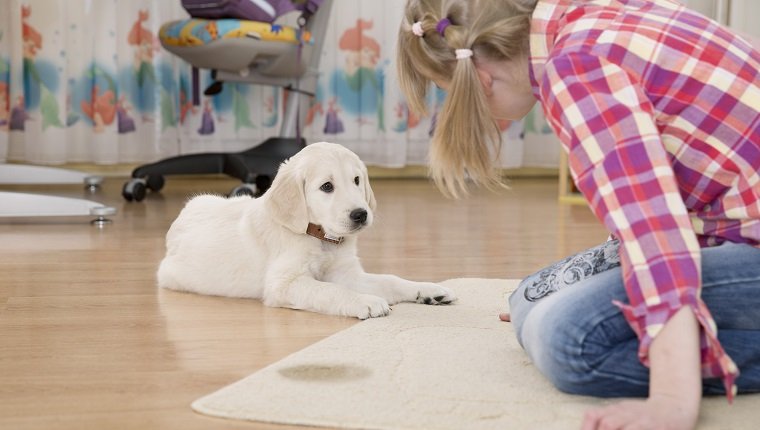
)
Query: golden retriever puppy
[{"x": 294, "y": 247}]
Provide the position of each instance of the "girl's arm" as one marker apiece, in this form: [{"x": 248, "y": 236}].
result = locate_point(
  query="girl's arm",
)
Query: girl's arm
[{"x": 675, "y": 383}]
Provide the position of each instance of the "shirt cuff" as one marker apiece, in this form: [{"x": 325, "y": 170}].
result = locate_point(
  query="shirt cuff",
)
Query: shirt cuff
[{"x": 647, "y": 321}]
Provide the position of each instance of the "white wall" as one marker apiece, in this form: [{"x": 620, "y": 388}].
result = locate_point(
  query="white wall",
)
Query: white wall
[{"x": 742, "y": 15}]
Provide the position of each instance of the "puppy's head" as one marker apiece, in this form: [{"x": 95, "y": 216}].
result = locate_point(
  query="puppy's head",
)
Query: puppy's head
[{"x": 325, "y": 184}]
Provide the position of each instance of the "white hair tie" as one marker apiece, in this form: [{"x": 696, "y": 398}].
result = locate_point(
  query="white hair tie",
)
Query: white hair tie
[
  {"x": 417, "y": 29},
  {"x": 463, "y": 53}
]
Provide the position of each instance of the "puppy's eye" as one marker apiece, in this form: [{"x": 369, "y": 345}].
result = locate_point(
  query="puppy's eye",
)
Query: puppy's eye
[
  {"x": 327, "y": 187},
  {"x": 356, "y": 180}
]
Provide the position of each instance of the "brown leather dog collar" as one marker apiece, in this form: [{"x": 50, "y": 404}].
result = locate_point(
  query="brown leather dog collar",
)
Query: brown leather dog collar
[{"x": 317, "y": 231}]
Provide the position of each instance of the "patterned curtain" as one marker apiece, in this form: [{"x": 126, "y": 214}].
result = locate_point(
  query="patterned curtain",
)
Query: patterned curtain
[{"x": 87, "y": 81}]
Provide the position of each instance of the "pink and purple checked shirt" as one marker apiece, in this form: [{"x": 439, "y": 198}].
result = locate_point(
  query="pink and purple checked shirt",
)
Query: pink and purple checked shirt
[{"x": 659, "y": 110}]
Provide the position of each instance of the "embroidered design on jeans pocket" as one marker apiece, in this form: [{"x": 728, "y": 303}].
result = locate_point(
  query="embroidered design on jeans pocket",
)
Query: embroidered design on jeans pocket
[{"x": 572, "y": 270}]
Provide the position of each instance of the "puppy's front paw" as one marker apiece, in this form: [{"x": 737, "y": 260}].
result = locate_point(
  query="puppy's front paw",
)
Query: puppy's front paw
[
  {"x": 370, "y": 306},
  {"x": 433, "y": 294}
]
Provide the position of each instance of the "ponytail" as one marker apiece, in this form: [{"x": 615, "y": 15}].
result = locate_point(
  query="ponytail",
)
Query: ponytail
[
  {"x": 466, "y": 136},
  {"x": 436, "y": 41}
]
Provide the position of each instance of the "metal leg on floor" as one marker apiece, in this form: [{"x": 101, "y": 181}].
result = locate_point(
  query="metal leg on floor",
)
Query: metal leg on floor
[{"x": 36, "y": 205}]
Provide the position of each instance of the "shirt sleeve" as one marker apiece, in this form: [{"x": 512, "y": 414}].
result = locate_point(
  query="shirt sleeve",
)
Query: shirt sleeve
[{"x": 619, "y": 162}]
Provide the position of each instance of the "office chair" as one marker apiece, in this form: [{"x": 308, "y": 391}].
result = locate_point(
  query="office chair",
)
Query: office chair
[{"x": 265, "y": 54}]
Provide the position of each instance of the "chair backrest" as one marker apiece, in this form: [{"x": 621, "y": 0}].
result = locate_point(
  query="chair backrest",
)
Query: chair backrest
[{"x": 251, "y": 10}]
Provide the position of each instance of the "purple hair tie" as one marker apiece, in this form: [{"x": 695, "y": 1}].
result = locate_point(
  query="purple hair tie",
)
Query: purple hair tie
[{"x": 442, "y": 25}]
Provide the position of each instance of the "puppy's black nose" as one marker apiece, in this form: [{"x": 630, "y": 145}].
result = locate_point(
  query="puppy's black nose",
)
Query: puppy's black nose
[{"x": 358, "y": 216}]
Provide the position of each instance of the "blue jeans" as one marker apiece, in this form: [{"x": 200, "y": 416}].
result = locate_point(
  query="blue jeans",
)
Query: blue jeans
[{"x": 565, "y": 320}]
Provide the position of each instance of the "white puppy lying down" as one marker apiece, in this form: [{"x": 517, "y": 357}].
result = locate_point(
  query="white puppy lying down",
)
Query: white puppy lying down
[{"x": 293, "y": 247}]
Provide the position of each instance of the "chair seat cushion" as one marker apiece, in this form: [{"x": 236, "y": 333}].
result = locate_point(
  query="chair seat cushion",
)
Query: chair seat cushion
[{"x": 196, "y": 32}]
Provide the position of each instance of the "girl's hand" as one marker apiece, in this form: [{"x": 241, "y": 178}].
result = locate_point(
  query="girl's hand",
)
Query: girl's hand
[{"x": 654, "y": 413}]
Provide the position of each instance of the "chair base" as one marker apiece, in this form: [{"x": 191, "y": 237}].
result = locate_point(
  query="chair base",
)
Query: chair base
[
  {"x": 255, "y": 167},
  {"x": 30, "y": 174},
  {"x": 37, "y": 205}
]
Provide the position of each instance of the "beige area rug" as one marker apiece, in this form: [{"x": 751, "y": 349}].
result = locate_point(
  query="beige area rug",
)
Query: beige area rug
[{"x": 425, "y": 367}]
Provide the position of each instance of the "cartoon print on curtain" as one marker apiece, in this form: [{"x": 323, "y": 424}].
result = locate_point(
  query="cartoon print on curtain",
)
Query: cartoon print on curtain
[
  {"x": 40, "y": 79},
  {"x": 405, "y": 118},
  {"x": 185, "y": 98},
  {"x": 233, "y": 100},
  {"x": 145, "y": 44},
  {"x": 207, "y": 120},
  {"x": 5, "y": 94},
  {"x": 145, "y": 47},
  {"x": 359, "y": 85},
  {"x": 100, "y": 107},
  {"x": 87, "y": 81},
  {"x": 148, "y": 76}
]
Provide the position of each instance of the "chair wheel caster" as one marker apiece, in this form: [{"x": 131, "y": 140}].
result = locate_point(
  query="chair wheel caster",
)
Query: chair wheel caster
[
  {"x": 244, "y": 190},
  {"x": 155, "y": 182},
  {"x": 134, "y": 190},
  {"x": 263, "y": 182}
]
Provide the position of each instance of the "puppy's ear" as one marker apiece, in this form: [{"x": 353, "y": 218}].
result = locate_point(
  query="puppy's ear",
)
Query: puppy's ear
[
  {"x": 287, "y": 201},
  {"x": 368, "y": 194}
]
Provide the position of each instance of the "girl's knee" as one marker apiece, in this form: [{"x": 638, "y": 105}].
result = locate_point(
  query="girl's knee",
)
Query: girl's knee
[
  {"x": 551, "y": 338},
  {"x": 577, "y": 349}
]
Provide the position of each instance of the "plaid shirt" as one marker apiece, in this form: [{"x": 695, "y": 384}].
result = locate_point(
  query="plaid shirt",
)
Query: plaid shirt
[{"x": 658, "y": 108}]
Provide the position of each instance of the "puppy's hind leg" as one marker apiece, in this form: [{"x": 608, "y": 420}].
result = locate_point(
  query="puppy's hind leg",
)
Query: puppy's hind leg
[
  {"x": 165, "y": 276},
  {"x": 327, "y": 298}
]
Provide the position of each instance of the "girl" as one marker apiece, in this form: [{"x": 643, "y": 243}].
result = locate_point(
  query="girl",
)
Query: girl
[{"x": 657, "y": 108}]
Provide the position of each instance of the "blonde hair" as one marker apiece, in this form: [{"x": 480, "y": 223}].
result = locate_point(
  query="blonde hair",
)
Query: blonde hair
[{"x": 466, "y": 138}]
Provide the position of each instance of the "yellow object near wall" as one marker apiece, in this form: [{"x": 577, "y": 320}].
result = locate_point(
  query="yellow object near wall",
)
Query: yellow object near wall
[{"x": 195, "y": 32}]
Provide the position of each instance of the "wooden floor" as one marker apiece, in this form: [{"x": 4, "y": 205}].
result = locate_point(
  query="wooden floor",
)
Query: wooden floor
[{"x": 87, "y": 341}]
